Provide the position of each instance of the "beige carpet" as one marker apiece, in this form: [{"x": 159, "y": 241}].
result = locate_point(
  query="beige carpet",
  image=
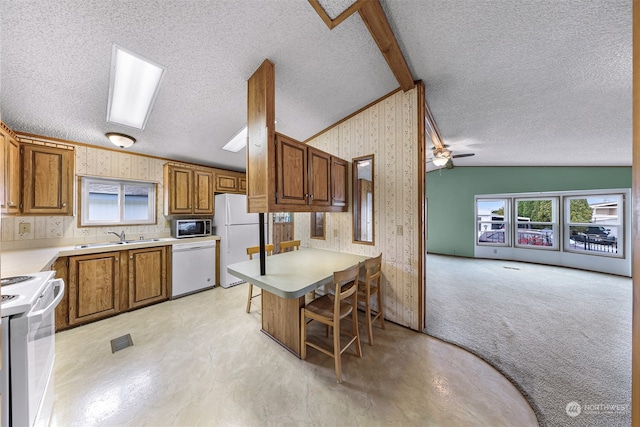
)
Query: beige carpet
[{"x": 562, "y": 336}]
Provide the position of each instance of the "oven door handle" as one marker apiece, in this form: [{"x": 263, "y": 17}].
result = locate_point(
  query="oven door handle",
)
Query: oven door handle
[{"x": 58, "y": 285}]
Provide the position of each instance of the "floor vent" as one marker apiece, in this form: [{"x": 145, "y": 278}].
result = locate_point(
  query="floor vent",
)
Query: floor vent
[{"x": 119, "y": 343}]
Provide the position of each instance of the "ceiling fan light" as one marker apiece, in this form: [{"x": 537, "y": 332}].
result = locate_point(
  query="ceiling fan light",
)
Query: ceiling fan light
[
  {"x": 440, "y": 161},
  {"x": 121, "y": 140}
]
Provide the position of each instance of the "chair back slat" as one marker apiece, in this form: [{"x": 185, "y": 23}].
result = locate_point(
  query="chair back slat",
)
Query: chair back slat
[
  {"x": 288, "y": 245},
  {"x": 252, "y": 250}
]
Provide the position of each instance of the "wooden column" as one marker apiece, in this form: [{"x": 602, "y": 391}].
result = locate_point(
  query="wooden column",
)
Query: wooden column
[{"x": 635, "y": 228}]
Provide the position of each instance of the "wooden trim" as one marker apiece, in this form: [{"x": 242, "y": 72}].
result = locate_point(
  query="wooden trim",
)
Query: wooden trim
[
  {"x": 635, "y": 197},
  {"x": 366, "y": 107},
  {"x": 7, "y": 129},
  {"x": 376, "y": 21},
  {"x": 429, "y": 125},
  {"x": 422, "y": 211},
  {"x": 21, "y": 136},
  {"x": 332, "y": 23}
]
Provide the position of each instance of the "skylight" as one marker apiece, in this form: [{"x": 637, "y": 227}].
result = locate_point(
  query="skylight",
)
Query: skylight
[
  {"x": 133, "y": 88},
  {"x": 238, "y": 142}
]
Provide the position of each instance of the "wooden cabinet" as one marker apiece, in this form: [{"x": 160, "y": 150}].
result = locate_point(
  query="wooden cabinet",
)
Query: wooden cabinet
[
  {"x": 37, "y": 179},
  {"x": 319, "y": 177},
  {"x": 291, "y": 177},
  {"x": 105, "y": 284},
  {"x": 94, "y": 287},
  {"x": 230, "y": 182},
  {"x": 203, "y": 192},
  {"x": 147, "y": 276},
  {"x": 187, "y": 191},
  {"x": 47, "y": 180},
  {"x": 284, "y": 174},
  {"x": 339, "y": 182},
  {"x": 226, "y": 183},
  {"x": 308, "y": 179},
  {"x": 11, "y": 184},
  {"x": 61, "y": 267}
]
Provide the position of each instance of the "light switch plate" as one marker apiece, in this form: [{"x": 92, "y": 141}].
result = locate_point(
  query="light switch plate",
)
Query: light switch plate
[{"x": 399, "y": 230}]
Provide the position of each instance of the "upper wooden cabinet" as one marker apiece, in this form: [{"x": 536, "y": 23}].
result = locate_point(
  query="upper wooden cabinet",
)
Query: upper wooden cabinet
[
  {"x": 47, "y": 180},
  {"x": 339, "y": 181},
  {"x": 291, "y": 176},
  {"x": 282, "y": 173},
  {"x": 11, "y": 186},
  {"x": 187, "y": 191},
  {"x": 303, "y": 175},
  {"x": 230, "y": 182}
]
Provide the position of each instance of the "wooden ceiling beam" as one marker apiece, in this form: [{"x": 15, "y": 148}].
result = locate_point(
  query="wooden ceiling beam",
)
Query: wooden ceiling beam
[
  {"x": 332, "y": 23},
  {"x": 375, "y": 19}
]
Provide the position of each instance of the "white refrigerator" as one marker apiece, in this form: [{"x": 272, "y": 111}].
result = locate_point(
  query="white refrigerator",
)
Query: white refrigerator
[{"x": 237, "y": 230}]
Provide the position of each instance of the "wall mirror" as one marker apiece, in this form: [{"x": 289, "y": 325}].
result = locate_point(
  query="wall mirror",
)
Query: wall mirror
[
  {"x": 317, "y": 225},
  {"x": 363, "y": 218}
]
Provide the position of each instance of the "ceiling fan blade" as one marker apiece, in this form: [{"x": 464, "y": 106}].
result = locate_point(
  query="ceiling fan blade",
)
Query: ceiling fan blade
[{"x": 463, "y": 155}]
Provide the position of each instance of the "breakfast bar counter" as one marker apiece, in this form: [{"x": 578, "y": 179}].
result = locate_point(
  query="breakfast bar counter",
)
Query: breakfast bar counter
[{"x": 289, "y": 277}]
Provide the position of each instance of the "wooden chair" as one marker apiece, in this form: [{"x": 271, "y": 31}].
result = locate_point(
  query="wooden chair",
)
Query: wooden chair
[
  {"x": 370, "y": 287},
  {"x": 289, "y": 245},
  {"x": 251, "y": 251},
  {"x": 330, "y": 310}
]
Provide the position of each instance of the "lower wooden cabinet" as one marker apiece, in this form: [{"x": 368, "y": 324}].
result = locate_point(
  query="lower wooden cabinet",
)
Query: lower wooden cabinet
[
  {"x": 147, "y": 276},
  {"x": 62, "y": 310},
  {"x": 94, "y": 287},
  {"x": 105, "y": 284}
]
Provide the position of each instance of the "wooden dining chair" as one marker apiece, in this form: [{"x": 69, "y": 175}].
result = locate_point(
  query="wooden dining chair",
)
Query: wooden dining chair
[
  {"x": 330, "y": 310},
  {"x": 251, "y": 251},
  {"x": 371, "y": 287},
  {"x": 289, "y": 245}
]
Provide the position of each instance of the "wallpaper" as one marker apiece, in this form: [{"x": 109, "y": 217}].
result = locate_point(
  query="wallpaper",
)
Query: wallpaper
[{"x": 389, "y": 131}]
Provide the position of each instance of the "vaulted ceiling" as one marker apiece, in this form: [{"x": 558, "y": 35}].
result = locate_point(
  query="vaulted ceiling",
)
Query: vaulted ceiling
[{"x": 534, "y": 82}]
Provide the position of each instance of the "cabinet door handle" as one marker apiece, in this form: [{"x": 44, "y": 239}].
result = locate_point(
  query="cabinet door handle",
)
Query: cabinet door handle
[
  {"x": 131, "y": 257},
  {"x": 10, "y": 203},
  {"x": 64, "y": 205}
]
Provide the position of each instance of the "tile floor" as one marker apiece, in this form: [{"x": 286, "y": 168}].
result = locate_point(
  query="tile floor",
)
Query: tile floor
[{"x": 202, "y": 361}]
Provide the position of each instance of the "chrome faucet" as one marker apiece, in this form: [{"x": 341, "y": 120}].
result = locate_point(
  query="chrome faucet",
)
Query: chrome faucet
[{"x": 121, "y": 235}]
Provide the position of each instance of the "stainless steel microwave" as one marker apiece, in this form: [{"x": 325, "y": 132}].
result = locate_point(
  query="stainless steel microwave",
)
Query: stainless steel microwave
[{"x": 181, "y": 228}]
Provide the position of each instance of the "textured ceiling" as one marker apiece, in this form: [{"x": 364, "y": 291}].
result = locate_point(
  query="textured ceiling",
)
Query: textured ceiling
[{"x": 538, "y": 82}]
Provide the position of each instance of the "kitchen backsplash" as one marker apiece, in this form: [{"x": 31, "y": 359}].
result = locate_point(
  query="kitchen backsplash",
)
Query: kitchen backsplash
[{"x": 22, "y": 232}]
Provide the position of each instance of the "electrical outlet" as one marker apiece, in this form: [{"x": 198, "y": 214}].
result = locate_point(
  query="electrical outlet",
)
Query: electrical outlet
[
  {"x": 495, "y": 251},
  {"x": 24, "y": 228},
  {"x": 399, "y": 230}
]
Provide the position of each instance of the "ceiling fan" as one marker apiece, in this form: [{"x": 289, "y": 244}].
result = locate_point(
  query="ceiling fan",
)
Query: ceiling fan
[{"x": 442, "y": 157}]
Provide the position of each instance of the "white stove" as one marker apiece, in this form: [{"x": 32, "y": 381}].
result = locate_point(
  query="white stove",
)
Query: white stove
[
  {"x": 25, "y": 290},
  {"x": 28, "y": 347}
]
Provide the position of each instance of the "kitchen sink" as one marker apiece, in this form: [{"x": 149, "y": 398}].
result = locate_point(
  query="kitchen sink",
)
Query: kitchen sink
[{"x": 126, "y": 242}]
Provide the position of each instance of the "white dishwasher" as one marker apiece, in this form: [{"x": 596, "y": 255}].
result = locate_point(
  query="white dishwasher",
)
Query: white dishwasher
[{"x": 193, "y": 267}]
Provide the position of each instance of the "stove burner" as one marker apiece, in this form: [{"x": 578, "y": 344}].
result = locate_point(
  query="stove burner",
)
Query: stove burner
[
  {"x": 8, "y": 297},
  {"x": 13, "y": 280}
]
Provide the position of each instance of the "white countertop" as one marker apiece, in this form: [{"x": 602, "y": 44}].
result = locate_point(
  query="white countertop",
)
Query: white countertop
[
  {"x": 293, "y": 274},
  {"x": 27, "y": 261}
]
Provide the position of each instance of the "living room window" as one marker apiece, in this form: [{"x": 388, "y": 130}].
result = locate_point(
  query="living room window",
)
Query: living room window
[
  {"x": 537, "y": 223},
  {"x": 593, "y": 224},
  {"x": 492, "y": 217},
  {"x": 117, "y": 202}
]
